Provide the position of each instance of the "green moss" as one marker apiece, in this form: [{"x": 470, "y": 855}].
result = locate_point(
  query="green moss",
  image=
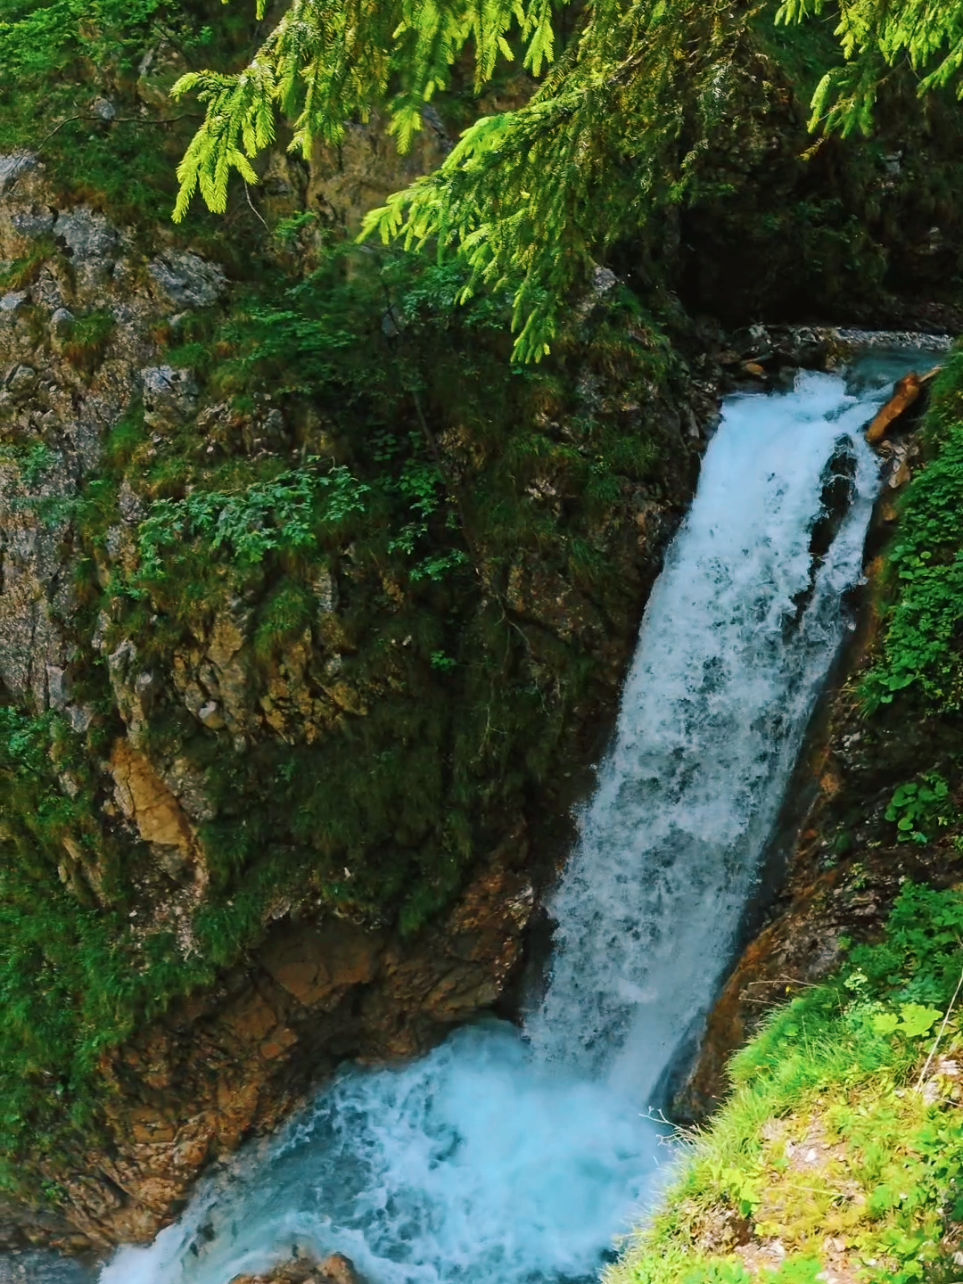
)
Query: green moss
[
  {"x": 75, "y": 976},
  {"x": 85, "y": 345},
  {"x": 24, "y": 272},
  {"x": 286, "y": 615}
]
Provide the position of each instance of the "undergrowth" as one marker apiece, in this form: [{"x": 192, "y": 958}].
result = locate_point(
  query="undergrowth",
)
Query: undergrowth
[
  {"x": 74, "y": 976},
  {"x": 922, "y": 645},
  {"x": 840, "y": 1151}
]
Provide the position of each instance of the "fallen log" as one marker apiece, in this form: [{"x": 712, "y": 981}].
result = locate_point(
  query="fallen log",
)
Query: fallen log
[{"x": 907, "y": 390}]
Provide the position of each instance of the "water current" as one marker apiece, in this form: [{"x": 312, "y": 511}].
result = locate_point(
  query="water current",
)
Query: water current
[{"x": 515, "y": 1156}]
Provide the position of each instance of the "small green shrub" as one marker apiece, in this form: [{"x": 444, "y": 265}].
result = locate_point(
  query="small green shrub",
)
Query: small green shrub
[
  {"x": 920, "y": 805},
  {"x": 283, "y": 618},
  {"x": 283, "y": 513}
]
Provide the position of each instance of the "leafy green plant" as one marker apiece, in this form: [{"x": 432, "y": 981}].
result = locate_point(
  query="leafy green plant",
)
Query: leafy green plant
[
  {"x": 921, "y": 651},
  {"x": 283, "y": 513},
  {"x": 825, "y": 1140},
  {"x": 914, "y": 1020},
  {"x": 920, "y": 803}
]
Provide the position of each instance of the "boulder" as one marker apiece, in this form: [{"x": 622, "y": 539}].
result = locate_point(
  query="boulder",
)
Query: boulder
[
  {"x": 187, "y": 280},
  {"x": 336, "y": 1269}
]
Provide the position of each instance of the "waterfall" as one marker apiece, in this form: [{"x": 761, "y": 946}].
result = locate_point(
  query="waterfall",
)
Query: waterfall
[{"x": 515, "y": 1157}]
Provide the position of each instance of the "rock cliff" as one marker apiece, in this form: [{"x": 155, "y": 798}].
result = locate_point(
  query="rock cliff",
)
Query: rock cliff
[
  {"x": 296, "y": 809},
  {"x": 313, "y": 612}
]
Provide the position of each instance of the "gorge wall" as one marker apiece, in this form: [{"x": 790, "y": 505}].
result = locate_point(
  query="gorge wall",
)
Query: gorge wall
[{"x": 313, "y": 613}]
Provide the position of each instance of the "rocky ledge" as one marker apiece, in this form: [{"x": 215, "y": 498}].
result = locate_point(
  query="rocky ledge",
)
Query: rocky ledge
[{"x": 336, "y": 1269}]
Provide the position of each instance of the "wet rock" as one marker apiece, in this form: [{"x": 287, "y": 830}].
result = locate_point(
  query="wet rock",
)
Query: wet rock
[
  {"x": 336, "y": 1269},
  {"x": 14, "y": 300}
]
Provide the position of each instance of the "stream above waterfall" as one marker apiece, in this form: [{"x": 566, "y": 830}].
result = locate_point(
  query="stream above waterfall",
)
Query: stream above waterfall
[{"x": 516, "y": 1155}]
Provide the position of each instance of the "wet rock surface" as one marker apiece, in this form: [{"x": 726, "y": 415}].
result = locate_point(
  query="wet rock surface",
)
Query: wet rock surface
[{"x": 336, "y": 1269}]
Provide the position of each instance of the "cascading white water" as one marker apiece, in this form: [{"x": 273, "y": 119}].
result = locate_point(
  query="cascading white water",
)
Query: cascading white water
[{"x": 509, "y": 1157}]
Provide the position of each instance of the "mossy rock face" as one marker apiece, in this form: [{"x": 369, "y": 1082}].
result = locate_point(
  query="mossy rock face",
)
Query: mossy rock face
[
  {"x": 787, "y": 225},
  {"x": 318, "y": 616}
]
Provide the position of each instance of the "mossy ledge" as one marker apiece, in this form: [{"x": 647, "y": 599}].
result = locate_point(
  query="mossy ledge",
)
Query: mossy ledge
[{"x": 839, "y": 1154}]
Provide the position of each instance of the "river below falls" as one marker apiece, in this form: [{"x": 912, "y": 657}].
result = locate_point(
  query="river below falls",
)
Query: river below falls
[{"x": 517, "y": 1155}]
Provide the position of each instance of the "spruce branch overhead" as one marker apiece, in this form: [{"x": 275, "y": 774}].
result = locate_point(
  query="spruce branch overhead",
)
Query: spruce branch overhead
[
  {"x": 877, "y": 36},
  {"x": 531, "y": 199},
  {"x": 528, "y": 198}
]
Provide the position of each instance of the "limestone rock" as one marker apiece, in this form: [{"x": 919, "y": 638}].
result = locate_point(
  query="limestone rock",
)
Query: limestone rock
[
  {"x": 35, "y": 221},
  {"x": 187, "y": 280},
  {"x": 144, "y": 799},
  {"x": 87, "y": 236},
  {"x": 170, "y": 396},
  {"x": 12, "y": 167}
]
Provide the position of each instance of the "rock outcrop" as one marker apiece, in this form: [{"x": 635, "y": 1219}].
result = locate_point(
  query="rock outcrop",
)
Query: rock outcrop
[
  {"x": 336, "y": 1269},
  {"x": 174, "y": 716}
]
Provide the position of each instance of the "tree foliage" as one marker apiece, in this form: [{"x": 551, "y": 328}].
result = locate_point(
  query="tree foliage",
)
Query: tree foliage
[
  {"x": 877, "y": 36},
  {"x": 613, "y": 131},
  {"x": 528, "y": 197}
]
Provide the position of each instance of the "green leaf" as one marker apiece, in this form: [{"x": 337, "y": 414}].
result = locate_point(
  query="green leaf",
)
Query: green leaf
[
  {"x": 885, "y": 1022},
  {"x": 917, "y": 1020}
]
